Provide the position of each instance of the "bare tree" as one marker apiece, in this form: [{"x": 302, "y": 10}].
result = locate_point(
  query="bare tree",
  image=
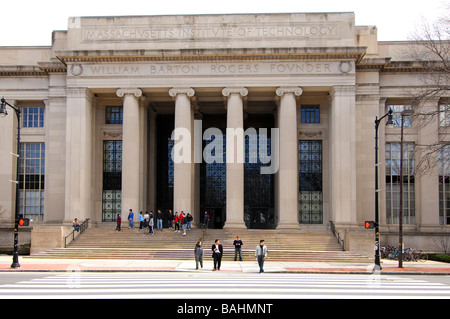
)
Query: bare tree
[
  {"x": 429, "y": 55},
  {"x": 430, "y": 50}
]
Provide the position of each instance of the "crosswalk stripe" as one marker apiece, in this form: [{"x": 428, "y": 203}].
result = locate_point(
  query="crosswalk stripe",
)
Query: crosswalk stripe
[{"x": 144, "y": 285}]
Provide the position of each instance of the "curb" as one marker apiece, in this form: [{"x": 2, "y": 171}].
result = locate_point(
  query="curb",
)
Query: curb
[{"x": 77, "y": 268}]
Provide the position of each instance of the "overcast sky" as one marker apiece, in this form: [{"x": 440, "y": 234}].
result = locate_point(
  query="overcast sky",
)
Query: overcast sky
[{"x": 31, "y": 22}]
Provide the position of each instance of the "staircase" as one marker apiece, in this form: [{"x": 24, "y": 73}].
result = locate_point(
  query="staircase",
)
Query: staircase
[{"x": 283, "y": 245}]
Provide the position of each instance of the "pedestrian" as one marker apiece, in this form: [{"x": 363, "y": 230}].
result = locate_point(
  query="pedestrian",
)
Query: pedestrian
[
  {"x": 130, "y": 219},
  {"x": 119, "y": 222},
  {"x": 217, "y": 254},
  {"x": 198, "y": 252},
  {"x": 237, "y": 248},
  {"x": 151, "y": 223},
  {"x": 183, "y": 222},
  {"x": 176, "y": 221},
  {"x": 261, "y": 255},
  {"x": 146, "y": 218},
  {"x": 170, "y": 217},
  {"x": 206, "y": 219},
  {"x": 189, "y": 219},
  {"x": 141, "y": 220},
  {"x": 159, "y": 219}
]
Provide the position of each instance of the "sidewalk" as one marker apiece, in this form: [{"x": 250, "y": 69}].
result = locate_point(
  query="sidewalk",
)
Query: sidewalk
[{"x": 30, "y": 264}]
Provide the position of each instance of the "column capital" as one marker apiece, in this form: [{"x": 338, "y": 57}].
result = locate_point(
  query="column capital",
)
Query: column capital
[
  {"x": 296, "y": 90},
  {"x": 173, "y": 92},
  {"x": 349, "y": 90},
  {"x": 134, "y": 91},
  {"x": 235, "y": 90}
]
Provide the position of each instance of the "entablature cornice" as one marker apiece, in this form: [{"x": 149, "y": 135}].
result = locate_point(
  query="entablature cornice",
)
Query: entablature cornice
[{"x": 205, "y": 55}]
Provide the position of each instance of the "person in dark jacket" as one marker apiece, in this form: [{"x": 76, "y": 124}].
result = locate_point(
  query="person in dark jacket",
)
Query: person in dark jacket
[
  {"x": 119, "y": 222},
  {"x": 237, "y": 248},
  {"x": 217, "y": 250},
  {"x": 198, "y": 252},
  {"x": 159, "y": 220}
]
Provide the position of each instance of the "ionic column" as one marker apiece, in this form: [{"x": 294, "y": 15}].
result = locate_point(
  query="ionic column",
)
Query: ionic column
[
  {"x": 183, "y": 194},
  {"x": 343, "y": 155},
  {"x": 131, "y": 157},
  {"x": 235, "y": 157},
  {"x": 288, "y": 157}
]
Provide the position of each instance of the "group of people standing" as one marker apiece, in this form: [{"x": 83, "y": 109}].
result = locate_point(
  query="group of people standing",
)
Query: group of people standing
[
  {"x": 217, "y": 253},
  {"x": 147, "y": 220}
]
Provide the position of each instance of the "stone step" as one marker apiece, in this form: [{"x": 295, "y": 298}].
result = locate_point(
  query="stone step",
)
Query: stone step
[
  {"x": 184, "y": 254},
  {"x": 283, "y": 245}
]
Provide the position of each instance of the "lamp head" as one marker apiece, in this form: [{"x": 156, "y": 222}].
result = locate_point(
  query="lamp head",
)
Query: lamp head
[
  {"x": 3, "y": 111},
  {"x": 390, "y": 118}
]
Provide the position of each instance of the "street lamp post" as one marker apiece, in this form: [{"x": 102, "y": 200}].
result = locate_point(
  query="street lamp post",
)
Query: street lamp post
[
  {"x": 3, "y": 111},
  {"x": 400, "y": 213},
  {"x": 377, "y": 232}
]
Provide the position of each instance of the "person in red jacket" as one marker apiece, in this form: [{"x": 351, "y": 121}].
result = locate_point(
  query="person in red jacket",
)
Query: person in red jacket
[{"x": 176, "y": 221}]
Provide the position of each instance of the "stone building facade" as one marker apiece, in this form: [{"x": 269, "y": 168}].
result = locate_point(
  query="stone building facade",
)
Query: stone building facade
[{"x": 103, "y": 104}]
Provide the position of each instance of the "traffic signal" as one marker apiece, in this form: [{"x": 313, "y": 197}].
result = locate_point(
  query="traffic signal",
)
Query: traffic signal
[
  {"x": 23, "y": 221},
  {"x": 369, "y": 224}
]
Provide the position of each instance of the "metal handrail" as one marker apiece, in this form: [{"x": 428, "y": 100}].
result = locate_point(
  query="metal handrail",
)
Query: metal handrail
[
  {"x": 84, "y": 225},
  {"x": 336, "y": 234},
  {"x": 205, "y": 228}
]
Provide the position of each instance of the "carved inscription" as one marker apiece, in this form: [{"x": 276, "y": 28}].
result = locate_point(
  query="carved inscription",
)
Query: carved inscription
[
  {"x": 206, "y": 69},
  {"x": 209, "y": 32}
]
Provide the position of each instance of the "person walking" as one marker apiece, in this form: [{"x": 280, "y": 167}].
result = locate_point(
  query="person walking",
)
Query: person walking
[
  {"x": 198, "y": 252},
  {"x": 130, "y": 219},
  {"x": 206, "y": 219},
  {"x": 261, "y": 255},
  {"x": 217, "y": 250},
  {"x": 119, "y": 222},
  {"x": 237, "y": 248}
]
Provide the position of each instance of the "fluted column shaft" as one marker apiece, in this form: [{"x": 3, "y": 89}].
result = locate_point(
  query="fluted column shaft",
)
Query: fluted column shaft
[
  {"x": 288, "y": 157},
  {"x": 131, "y": 157},
  {"x": 235, "y": 157},
  {"x": 183, "y": 192}
]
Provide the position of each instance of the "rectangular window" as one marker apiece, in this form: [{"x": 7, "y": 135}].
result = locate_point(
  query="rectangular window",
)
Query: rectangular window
[
  {"x": 444, "y": 184},
  {"x": 444, "y": 115},
  {"x": 32, "y": 117},
  {"x": 112, "y": 180},
  {"x": 310, "y": 182},
  {"x": 310, "y": 114},
  {"x": 397, "y": 115},
  {"x": 114, "y": 115},
  {"x": 31, "y": 180},
  {"x": 393, "y": 183}
]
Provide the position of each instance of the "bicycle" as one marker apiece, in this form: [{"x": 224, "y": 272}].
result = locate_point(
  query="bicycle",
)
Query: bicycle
[{"x": 420, "y": 256}]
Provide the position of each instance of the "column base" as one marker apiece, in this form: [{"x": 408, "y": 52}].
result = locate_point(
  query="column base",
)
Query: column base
[
  {"x": 288, "y": 226},
  {"x": 230, "y": 224}
]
